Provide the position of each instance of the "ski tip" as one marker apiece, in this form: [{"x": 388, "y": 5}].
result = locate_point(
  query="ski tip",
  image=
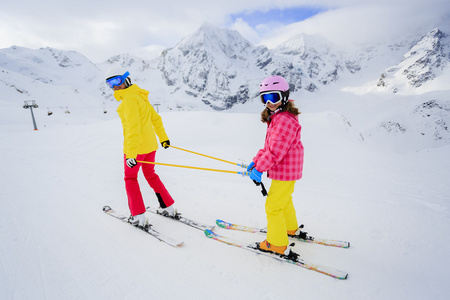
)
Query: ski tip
[
  {"x": 223, "y": 224},
  {"x": 338, "y": 274},
  {"x": 341, "y": 277},
  {"x": 209, "y": 233},
  {"x": 106, "y": 208},
  {"x": 345, "y": 245}
]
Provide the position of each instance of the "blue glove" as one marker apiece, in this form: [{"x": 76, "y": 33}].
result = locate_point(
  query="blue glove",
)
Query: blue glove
[
  {"x": 250, "y": 167},
  {"x": 255, "y": 175}
]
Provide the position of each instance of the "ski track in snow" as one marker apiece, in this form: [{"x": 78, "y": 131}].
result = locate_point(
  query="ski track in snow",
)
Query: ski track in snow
[{"x": 56, "y": 242}]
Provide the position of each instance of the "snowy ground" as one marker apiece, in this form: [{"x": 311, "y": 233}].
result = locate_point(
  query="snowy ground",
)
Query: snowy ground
[{"x": 56, "y": 243}]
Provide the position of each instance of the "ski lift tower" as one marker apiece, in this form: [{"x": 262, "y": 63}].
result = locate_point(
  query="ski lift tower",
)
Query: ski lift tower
[
  {"x": 157, "y": 108},
  {"x": 30, "y": 104}
]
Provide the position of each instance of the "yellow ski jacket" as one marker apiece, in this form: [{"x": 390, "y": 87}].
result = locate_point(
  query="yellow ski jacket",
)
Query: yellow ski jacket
[{"x": 140, "y": 122}]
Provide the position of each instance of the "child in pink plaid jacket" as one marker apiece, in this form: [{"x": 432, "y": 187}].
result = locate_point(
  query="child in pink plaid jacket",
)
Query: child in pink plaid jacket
[{"x": 282, "y": 159}]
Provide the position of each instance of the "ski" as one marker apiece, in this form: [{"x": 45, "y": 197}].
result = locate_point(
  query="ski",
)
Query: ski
[
  {"x": 299, "y": 262},
  {"x": 303, "y": 237},
  {"x": 162, "y": 237},
  {"x": 183, "y": 220}
]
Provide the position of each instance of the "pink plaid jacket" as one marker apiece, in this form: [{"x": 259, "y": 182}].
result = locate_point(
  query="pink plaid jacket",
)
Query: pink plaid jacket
[{"x": 282, "y": 155}]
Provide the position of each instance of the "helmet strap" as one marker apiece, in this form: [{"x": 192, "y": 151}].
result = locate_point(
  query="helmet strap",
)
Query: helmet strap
[
  {"x": 127, "y": 82},
  {"x": 271, "y": 113},
  {"x": 285, "y": 97}
]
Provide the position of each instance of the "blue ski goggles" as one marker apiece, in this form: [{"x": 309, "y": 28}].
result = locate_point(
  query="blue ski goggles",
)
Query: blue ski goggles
[
  {"x": 117, "y": 80},
  {"x": 273, "y": 97}
]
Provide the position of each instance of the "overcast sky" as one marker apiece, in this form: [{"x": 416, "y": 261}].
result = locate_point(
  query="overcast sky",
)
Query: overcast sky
[{"x": 100, "y": 29}]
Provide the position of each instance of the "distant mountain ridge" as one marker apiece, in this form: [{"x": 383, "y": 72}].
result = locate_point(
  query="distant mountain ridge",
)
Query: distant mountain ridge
[{"x": 219, "y": 68}]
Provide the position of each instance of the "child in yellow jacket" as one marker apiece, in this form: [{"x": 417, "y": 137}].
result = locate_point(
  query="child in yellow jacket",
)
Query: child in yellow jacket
[{"x": 141, "y": 124}]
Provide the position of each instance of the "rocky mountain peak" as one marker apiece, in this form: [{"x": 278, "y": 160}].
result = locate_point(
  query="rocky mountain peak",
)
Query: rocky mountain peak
[
  {"x": 213, "y": 39},
  {"x": 421, "y": 64}
]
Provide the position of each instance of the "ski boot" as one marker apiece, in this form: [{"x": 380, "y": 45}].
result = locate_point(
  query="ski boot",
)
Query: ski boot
[
  {"x": 170, "y": 211},
  {"x": 138, "y": 221},
  {"x": 298, "y": 233},
  {"x": 282, "y": 251}
]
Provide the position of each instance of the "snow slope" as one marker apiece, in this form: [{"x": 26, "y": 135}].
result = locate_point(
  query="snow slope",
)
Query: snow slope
[{"x": 56, "y": 243}]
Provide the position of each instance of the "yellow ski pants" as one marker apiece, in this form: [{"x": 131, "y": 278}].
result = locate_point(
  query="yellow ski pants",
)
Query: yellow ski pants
[{"x": 280, "y": 212}]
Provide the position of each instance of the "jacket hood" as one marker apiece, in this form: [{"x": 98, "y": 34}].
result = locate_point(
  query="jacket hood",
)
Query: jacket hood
[{"x": 133, "y": 89}]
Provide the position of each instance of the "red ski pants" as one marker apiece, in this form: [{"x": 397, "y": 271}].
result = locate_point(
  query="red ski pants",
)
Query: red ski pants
[{"x": 135, "y": 200}]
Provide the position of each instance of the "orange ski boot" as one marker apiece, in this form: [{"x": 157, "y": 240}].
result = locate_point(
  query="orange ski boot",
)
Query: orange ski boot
[
  {"x": 283, "y": 251},
  {"x": 298, "y": 233}
]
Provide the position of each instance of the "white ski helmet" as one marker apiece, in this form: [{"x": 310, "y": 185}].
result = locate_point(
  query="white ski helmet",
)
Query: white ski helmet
[{"x": 117, "y": 71}]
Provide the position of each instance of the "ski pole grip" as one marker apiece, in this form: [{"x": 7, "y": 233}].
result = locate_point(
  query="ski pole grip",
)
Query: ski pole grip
[{"x": 263, "y": 189}]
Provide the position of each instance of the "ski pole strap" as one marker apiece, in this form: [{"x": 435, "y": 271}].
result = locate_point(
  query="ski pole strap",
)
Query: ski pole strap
[
  {"x": 263, "y": 188},
  {"x": 219, "y": 159},
  {"x": 196, "y": 168}
]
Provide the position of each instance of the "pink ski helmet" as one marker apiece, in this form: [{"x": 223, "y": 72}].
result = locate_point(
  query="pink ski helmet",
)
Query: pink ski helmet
[
  {"x": 277, "y": 85},
  {"x": 274, "y": 83}
]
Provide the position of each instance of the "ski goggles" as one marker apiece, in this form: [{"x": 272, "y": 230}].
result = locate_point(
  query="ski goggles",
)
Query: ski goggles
[
  {"x": 273, "y": 97},
  {"x": 117, "y": 80}
]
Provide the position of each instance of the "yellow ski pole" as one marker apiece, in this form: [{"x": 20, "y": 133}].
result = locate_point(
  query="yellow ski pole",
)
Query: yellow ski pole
[
  {"x": 219, "y": 159},
  {"x": 263, "y": 189},
  {"x": 196, "y": 168}
]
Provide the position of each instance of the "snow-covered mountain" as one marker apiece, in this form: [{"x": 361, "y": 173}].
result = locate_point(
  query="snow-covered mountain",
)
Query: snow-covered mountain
[
  {"x": 219, "y": 68},
  {"x": 55, "y": 79},
  {"x": 213, "y": 65},
  {"x": 312, "y": 60},
  {"x": 427, "y": 60}
]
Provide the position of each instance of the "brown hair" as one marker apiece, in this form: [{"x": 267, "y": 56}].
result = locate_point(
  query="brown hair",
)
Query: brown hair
[{"x": 289, "y": 107}]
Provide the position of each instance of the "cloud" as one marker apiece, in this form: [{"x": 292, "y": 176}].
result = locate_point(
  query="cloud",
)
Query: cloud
[
  {"x": 376, "y": 21},
  {"x": 101, "y": 29},
  {"x": 246, "y": 30}
]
